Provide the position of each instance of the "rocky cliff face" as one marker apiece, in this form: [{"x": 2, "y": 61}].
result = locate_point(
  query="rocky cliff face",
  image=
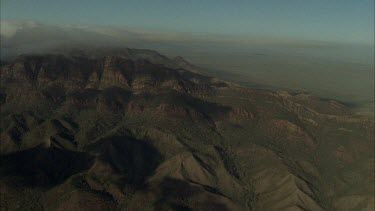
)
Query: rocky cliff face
[{"x": 132, "y": 129}]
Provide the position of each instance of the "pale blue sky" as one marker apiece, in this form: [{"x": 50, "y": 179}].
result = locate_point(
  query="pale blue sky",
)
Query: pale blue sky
[{"x": 324, "y": 20}]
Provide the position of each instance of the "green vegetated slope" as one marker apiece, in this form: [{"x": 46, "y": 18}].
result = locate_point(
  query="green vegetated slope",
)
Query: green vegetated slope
[{"x": 134, "y": 130}]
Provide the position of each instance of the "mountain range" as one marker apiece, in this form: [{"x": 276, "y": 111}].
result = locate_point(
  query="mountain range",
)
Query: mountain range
[{"x": 131, "y": 129}]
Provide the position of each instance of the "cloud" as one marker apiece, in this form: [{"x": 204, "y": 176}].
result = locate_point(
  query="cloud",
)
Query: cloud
[
  {"x": 19, "y": 37},
  {"x": 10, "y": 28}
]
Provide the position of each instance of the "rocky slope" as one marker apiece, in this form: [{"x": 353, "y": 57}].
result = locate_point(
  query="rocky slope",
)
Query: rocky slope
[{"x": 130, "y": 129}]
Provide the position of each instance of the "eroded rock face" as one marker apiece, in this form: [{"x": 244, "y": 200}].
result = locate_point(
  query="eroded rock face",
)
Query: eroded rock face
[
  {"x": 294, "y": 133},
  {"x": 114, "y": 73},
  {"x": 96, "y": 73},
  {"x": 239, "y": 113}
]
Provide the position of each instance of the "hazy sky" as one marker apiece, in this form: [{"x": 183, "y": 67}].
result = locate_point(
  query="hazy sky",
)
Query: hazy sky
[{"x": 324, "y": 20}]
